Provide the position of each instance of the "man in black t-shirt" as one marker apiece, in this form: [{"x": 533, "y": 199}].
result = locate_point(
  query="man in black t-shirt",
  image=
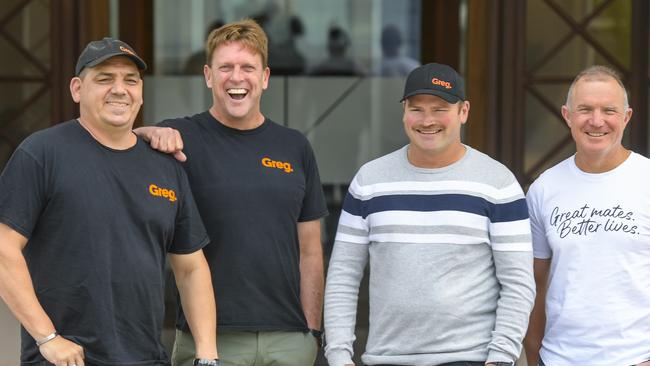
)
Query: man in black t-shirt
[
  {"x": 259, "y": 194},
  {"x": 88, "y": 213}
]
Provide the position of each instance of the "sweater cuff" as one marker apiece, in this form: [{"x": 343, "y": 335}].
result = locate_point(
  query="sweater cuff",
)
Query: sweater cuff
[
  {"x": 339, "y": 358},
  {"x": 496, "y": 356}
]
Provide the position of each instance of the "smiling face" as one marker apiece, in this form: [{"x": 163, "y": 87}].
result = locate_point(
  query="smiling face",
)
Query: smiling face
[
  {"x": 237, "y": 79},
  {"x": 109, "y": 94},
  {"x": 433, "y": 128},
  {"x": 597, "y": 116}
]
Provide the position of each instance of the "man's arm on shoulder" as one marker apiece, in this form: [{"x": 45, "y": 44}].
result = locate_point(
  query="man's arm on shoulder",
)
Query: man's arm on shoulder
[
  {"x": 311, "y": 272},
  {"x": 163, "y": 139},
  {"x": 17, "y": 290},
  {"x": 194, "y": 284},
  {"x": 537, "y": 324}
]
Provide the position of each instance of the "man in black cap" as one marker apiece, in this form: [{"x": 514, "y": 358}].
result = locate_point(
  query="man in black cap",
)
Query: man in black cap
[
  {"x": 444, "y": 229},
  {"x": 87, "y": 214}
]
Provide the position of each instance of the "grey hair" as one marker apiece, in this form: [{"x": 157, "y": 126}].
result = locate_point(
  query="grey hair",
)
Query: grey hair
[{"x": 597, "y": 72}]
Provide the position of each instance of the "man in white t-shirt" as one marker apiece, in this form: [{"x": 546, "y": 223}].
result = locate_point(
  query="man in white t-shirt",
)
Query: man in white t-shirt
[{"x": 590, "y": 219}]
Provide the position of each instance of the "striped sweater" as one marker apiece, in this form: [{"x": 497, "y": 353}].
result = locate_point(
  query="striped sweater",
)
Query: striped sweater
[{"x": 450, "y": 263}]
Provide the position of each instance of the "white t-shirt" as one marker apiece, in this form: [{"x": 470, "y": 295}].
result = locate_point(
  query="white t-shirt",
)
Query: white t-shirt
[{"x": 595, "y": 228}]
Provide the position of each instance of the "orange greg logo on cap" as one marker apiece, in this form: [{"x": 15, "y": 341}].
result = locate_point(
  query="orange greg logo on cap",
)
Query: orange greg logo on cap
[
  {"x": 124, "y": 49},
  {"x": 446, "y": 84}
]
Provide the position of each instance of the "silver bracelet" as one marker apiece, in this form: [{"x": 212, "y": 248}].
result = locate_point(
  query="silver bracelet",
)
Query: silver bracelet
[{"x": 46, "y": 339}]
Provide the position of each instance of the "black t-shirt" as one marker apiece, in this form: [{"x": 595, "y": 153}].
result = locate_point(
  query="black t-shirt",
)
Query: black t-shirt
[
  {"x": 252, "y": 187},
  {"x": 99, "y": 223}
]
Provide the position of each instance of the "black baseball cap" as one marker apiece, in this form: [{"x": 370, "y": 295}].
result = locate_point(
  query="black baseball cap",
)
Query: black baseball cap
[
  {"x": 435, "y": 79},
  {"x": 97, "y": 52}
]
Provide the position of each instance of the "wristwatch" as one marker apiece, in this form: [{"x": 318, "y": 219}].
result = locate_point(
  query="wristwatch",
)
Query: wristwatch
[
  {"x": 206, "y": 362},
  {"x": 318, "y": 334}
]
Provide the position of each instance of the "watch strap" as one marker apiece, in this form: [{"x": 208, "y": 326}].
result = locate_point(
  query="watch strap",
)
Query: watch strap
[{"x": 206, "y": 362}]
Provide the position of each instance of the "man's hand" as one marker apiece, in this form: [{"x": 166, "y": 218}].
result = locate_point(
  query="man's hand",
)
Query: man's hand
[
  {"x": 62, "y": 352},
  {"x": 163, "y": 139},
  {"x": 646, "y": 363}
]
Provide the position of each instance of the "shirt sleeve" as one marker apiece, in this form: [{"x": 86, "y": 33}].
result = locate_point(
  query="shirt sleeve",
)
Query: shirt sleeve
[
  {"x": 513, "y": 262},
  {"x": 189, "y": 233},
  {"x": 347, "y": 264},
  {"x": 166, "y": 123},
  {"x": 23, "y": 194},
  {"x": 541, "y": 248},
  {"x": 313, "y": 205},
  {"x": 509, "y": 226}
]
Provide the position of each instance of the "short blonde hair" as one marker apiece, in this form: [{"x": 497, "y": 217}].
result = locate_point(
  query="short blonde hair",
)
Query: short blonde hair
[{"x": 246, "y": 31}]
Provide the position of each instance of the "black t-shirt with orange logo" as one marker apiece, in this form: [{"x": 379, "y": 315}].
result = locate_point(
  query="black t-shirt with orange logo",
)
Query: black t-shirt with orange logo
[
  {"x": 252, "y": 187},
  {"x": 99, "y": 223}
]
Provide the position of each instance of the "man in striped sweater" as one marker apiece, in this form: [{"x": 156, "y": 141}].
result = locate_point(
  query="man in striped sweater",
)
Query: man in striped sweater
[{"x": 445, "y": 231}]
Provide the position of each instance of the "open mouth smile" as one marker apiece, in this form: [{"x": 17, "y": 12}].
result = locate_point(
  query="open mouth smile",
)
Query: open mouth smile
[
  {"x": 429, "y": 132},
  {"x": 118, "y": 104},
  {"x": 237, "y": 93}
]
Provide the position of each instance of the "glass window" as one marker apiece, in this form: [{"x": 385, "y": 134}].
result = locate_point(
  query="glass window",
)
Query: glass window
[{"x": 369, "y": 37}]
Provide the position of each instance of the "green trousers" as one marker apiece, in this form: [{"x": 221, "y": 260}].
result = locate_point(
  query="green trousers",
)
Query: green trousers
[{"x": 242, "y": 348}]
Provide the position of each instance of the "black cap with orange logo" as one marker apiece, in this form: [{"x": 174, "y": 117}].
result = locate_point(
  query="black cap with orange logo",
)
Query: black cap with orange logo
[
  {"x": 435, "y": 79},
  {"x": 97, "y": 52}
]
